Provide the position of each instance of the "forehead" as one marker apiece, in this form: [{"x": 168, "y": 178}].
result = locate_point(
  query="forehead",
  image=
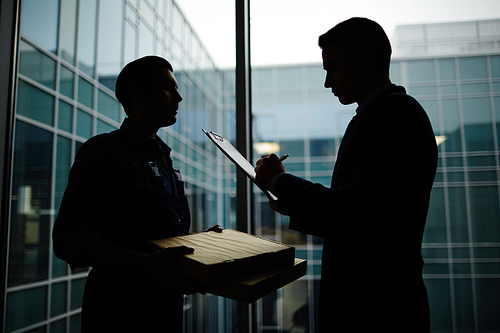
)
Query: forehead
[
  {"x": 333, "y": 54},
  {"x": 163, "y": 74}
]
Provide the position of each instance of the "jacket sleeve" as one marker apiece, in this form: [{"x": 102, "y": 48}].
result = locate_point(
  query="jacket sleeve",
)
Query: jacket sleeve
[
  {"x": 377, "y": 168},
  {"x": 76, "y": 225}
]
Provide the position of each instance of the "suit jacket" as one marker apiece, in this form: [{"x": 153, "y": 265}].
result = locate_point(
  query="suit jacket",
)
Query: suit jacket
[{"x": 372, "y": 218}]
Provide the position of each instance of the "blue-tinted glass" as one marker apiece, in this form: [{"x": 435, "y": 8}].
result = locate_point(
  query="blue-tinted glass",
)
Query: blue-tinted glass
[
  {"x": 293, "y": 147},
  {"x": 435, "y": 227},
  {"x": 63, "y": 165},
  {"x": 85, "y": 92},
  {"x": 473, "y": 68},
  {"x": 477, "y": 124},
  {"x": 439, "y": 304},
  {"x": 458, "y": 215},
  {"x": 315, "y": 76},
  {"x": 447, "y": 70},
  {"x": 67, "y": 82},
  {"x": 108, "y": 106},
  {"x": 26, "y": 307},
  {"x": 449, "y": 89},
  {"x": 451, "y": 124},
  {"x": 87, "y": 36},
  {"x": 37, "y": 65},
  {"x": 495, "y": 66},
  {"x": 485, "y": 217},
  {"x": 420, "y": 71},
  {"x": 482, "y": 176},
  {"x": 436, "y": 268},
  {"x": 83, "y": 124},
  {"x": 68, "y": 30},
  {"x": 58, "y": 326},
  {"x": 65, "y": 117},
  {"x": 77, "y": 288},
  {"x": 484, "y": 160},
  {"x": 395, "y": 72},
  {"x": 129, "y": 49},
  {"x": 110, "y": 42},
  {"x": 35, "y": 103},
  {"x": 322, "y": 147},
  {"x": 58, "y": 299},
  {"x": 431, "y": 108},
  {"x": 463, "y": 305},
  {"x": 488, "y": 306},
  {"x": 104, "y": 127},
  {"x": 423, "y": 90},
  {"x": 146, "y": 40},
  {"x": 289, "y": 77},
  {"x": 40, "y": 22},
  {"x": 475, "y": 88},
  {"x": 31, "y": 202}
]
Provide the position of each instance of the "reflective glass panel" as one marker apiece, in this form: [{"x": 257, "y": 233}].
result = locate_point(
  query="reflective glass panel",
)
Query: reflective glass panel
[
  {"x": 34, "y": 103},
  {"x": 31, "y": 202},
  {"x": 36, "y": 65},
  {"x": 25, "y": 307},
  {"x": 68, "y": 30},
  {"x": 40, "y": 22},
  {"x": 83, "y": 124},
  {"x": 87, "y": 36}
]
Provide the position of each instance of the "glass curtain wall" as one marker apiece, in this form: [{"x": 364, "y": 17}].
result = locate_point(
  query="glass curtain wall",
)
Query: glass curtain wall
[
  {"x": 71, "y": 52},
  {"x": 293, "y": 113}
]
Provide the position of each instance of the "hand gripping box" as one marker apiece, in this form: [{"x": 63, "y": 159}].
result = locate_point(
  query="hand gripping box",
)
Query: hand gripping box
[{"x": 237, "y": 265}]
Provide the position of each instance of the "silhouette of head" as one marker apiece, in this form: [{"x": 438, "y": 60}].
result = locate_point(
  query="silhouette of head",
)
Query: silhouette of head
[
  {"x": 141, "y": 72},
  {"x": 357, "y": 35}
]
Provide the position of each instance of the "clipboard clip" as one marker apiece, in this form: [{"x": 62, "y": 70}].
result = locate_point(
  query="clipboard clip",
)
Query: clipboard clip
[{"x": 218, "y": 137}]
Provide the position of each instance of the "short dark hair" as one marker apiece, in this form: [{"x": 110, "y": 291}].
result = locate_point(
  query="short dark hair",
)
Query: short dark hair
[
  {"x": 357, "y": 34},
  {"x": 141, "y": 71}
]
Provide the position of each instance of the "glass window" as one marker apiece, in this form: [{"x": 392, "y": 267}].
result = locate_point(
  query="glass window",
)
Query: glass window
[
  {"x": 473, "y": 68},
  {"x": 451, "y": 125},
  {"x": 37, "y": 65},
  {"x": 449, "y": 89},
  {"x": 478, "y": 128},
  {"x": 435, "y": 227},
  {"x": 25, "y": 307},
  {"x": 110, "y": 42},
  {"x": 35, "y": 103},
  {"x": 495, "y": 66},
  {"x": 488, "y": 294},
  {"x": 83, "y": 124},
  {"x": 289, "y": 77},
  {"x": 65, "y": 117},
  {"x": 130, "y": 42},
  {"x": 423, "y": 90},
  {"x": 395, "y": 72},
  {"x": 458, "y": 214},
  {"x": 108, "y": 106},
  {"x": 68, "y": 30},
  {"x": 447, "y": 69},
  {"x": 322, "y": 147},
  {"x": 85, "y": 92},
  {"x": 77, "y": 288},
  {"x": 485, "y": 214},
  {"x": 146, "y": 40},
  {"x": 104, "y": 127},
  {"x": 40, "y": 22},
  {"x": 31, "y": 202},
  {"x": 87, "y": 36},
  {"x": 67, "y": 82},
  {"x": 463, "y": 305},
  {"x": 420, "y": 71},
  {"x": 263, "y": 79},
  {"x": 475, "y": 88},
  {"x": 58, "y": 299},
  {"x": 439, "y": 304}
]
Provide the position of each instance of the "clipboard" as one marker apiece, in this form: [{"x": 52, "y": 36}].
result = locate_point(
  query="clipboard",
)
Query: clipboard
[{"x": 241, "y": 162}]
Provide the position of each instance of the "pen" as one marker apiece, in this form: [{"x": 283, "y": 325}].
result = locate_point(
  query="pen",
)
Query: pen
[{"x": 284, "y": 157}]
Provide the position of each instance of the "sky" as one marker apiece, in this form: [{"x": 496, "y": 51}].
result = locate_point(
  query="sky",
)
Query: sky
[{"x": 286, "y": 31}]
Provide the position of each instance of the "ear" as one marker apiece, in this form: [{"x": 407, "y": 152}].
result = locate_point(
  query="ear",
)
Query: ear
[
  {"x": 369, "y": 59},
  {"x": 137, "y": 94}
]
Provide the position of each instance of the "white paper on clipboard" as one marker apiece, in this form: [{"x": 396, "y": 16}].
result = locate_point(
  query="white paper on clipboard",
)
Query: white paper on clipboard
[{"x": 241, "y": 162}]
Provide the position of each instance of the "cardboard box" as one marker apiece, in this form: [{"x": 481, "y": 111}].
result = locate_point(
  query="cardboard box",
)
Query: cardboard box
[
  {"x": 230, "y": 254},
  {"x": 250, "y": 288}
]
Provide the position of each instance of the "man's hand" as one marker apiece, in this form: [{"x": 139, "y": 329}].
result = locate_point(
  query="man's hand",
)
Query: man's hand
[
  {"x": 163, "y": 268},
  {"x": 216, "y": 228},
  {"x": 267, "y": 168}
]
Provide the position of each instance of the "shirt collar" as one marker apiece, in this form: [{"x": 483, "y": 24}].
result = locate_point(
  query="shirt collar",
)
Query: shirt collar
[{"x": 372, "y": 96}]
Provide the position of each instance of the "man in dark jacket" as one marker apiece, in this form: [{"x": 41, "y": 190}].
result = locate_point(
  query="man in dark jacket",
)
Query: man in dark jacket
[
  {"x": 123, "y": 192},
  {"x": 372, "y": 217}
]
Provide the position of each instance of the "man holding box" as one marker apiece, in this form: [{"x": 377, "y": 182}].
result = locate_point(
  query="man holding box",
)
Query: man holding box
[
  {"x": 372, "y": 217},
  {"x": 123, "y": 192}
]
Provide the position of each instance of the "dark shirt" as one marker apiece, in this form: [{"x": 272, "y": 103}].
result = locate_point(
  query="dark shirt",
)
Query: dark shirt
[{"x": 121, "y": 188}]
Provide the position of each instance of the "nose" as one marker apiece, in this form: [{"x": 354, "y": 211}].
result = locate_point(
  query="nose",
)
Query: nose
[
  {"x": 328, "y": 81},
  {"x": 179, "y": 96}
]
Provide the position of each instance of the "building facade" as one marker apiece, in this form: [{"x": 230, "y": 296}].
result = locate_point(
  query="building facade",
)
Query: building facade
[{"x": 69, "y": 56}]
